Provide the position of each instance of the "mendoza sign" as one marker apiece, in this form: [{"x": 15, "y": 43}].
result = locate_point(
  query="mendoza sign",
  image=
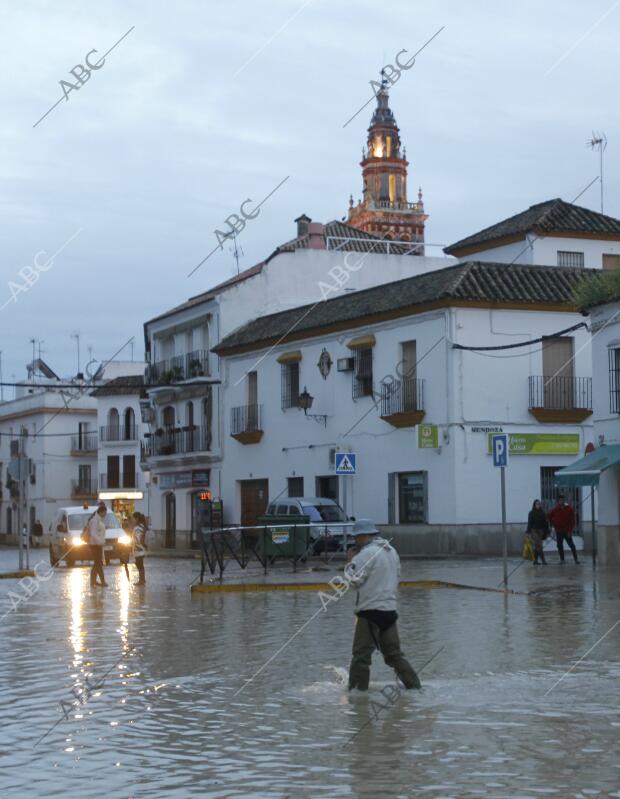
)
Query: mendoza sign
[{"x": 540, "y": 444}]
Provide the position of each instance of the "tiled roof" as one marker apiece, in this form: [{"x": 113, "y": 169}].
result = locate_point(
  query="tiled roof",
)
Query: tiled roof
[
  {"x": 346, "y": 239},
  {"x": 131, "y": 384},
  {"x": 552, "y": 216},
  {"x": 500, "y": 284}
]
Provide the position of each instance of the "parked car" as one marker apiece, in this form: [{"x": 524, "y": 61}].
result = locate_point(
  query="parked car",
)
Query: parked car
[
  {"x": 321, "y": 511},
  {"x": 66, "y": 543}
]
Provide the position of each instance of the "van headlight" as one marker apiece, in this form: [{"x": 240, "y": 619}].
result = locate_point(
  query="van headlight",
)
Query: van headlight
[
  {"x": 124, "y": 539},
  {"x": 76, "y": 541}
]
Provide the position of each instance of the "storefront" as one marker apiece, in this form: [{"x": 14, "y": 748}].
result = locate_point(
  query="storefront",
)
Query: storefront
[{"x": 123, "y": 503}]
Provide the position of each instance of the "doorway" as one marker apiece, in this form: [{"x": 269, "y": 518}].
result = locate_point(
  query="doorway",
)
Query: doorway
[
  {"x": 327, "y": 487},
  {"x": 171, "y": 521},
  {"x": 254, "y": 500},
  {"x": 557, "y": 356}
]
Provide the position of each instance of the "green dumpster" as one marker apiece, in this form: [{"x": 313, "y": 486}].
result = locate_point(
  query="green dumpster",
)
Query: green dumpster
[{"x": 284, "y": 541}]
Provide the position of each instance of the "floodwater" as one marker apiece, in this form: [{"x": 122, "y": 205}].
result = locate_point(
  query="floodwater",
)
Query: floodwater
[{"x": 169, "y": 712}]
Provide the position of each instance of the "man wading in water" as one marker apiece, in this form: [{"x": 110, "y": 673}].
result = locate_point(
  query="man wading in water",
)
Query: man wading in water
[{"x": 374, "y": 571}]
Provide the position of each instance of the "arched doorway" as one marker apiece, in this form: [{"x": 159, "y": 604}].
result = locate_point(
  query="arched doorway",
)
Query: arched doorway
[{"x": 171, "y": 521}]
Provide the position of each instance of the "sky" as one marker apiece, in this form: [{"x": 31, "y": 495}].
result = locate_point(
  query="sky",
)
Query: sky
[{"x": 118, "y": 191}]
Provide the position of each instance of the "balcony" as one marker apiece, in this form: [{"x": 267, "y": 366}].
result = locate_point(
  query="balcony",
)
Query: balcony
[
  {"x": 84, "y": 443},
  {"x": 176, "y": 441},
  {"x": 83, "y": 489},
  {"x": 246, "y": 424},
  {"x": 118, "y": 433},
  {"x": 182, "y": 367},
  {"x": 112, "y": 480},
  {"x": 402, "y": 402},
  {"x": 560, "y": 399}
]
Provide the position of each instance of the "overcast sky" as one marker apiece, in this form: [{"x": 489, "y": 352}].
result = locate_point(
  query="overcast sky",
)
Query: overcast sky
[{"x": 176, "y": 129}]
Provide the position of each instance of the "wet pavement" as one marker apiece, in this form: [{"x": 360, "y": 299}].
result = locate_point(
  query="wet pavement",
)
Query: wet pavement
[{"x": 167, "y": 710}]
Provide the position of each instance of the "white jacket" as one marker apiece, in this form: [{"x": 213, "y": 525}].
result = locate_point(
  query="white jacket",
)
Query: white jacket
[
  {"x": 96, "y": 530},
  {"x": 375, "y": 572}
]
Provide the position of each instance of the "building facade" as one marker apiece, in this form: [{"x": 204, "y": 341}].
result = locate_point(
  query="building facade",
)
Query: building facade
[
  {"x": 122, "y": 484},
  {"x": 394, "y": 381}
]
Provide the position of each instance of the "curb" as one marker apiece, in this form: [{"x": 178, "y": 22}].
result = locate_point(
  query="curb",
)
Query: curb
[
  {"x": 222, "y": 588},
  {"x": 16, "y": 575}
]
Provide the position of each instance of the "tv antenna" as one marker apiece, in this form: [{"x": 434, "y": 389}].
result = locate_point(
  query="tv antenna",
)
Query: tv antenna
[
  {"x": 236, "y": 250},
  {"x": 599, "y": 142}
]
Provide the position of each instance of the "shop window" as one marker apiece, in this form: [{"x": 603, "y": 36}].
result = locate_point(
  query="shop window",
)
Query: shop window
[{"x": 412, "y": 498}]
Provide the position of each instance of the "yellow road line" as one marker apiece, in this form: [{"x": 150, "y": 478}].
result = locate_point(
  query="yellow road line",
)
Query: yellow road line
[{"x": 17, "y": 574}]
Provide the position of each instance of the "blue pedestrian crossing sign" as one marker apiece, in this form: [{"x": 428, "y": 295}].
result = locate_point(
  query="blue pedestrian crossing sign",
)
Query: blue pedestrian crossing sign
[
  {"x": 500, "y": 449},
  {"x": 346, "y": 462}
]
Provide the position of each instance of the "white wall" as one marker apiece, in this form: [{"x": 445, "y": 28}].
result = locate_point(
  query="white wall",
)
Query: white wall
[
  {"x": 461, "y": 390},
  {"x": 544, "y": 251}
]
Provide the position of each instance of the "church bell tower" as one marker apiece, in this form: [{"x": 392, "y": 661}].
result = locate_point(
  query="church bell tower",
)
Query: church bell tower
[{"x": 384, "y": 209}]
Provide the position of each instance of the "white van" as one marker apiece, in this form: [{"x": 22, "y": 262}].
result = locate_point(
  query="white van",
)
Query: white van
[
  {"x": 66, "y": 543},
  {"x": 321, "y": 511}
]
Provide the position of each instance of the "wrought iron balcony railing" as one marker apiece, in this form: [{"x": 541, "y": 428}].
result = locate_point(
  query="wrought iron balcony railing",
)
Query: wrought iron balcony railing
[
  {"x": 402, "y": 396},
  {"x": 84, "y": 442},
  {"x": 558, "y": 393},
  {"x": 182, "y": 367},
  {"x": 120, "y": 432},
  {"x": 176, "y": 441},
  {"x": 84, "y": 488},
  {"x": 246, "y": 419},
  {"x": 109, "y": 480}
]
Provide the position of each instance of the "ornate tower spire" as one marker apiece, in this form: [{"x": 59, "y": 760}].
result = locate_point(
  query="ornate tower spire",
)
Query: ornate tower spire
[{"x": 384, "y": 210}]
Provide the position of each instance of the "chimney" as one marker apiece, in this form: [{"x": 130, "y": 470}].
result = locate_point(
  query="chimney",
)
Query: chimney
[
  {"x": 302, "y": 225},
  {"x": 316, "y": 231}
]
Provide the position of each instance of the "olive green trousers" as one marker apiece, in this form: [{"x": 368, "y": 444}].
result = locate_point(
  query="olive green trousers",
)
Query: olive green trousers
[{"x": 369, "y": 637}]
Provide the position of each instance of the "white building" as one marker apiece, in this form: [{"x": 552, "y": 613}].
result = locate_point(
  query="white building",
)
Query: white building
[
  {"x": 183, "y": 447},
  {"x": 555, "y": 233},
  {"x": 390, "y": 384},
  {"x": 121, "y": 482},
  {"x": 58, "y": 430},
  {"x": 599, "y": 471}
]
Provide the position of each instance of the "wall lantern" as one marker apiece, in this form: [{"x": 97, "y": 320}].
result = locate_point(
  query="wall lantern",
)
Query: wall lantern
[{"x": 305, "y": 401}]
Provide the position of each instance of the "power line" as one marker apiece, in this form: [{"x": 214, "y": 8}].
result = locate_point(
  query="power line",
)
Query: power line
[{"x": 539, "y": 340}]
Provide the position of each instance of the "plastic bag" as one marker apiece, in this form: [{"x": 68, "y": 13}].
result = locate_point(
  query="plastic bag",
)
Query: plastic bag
[{"x": 528, "y": 549}]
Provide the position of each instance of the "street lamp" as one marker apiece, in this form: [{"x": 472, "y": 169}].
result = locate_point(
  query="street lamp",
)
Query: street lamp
[{"x": 305, "y": 401}]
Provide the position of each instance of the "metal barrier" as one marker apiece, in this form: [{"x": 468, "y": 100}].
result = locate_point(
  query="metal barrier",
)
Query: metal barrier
[{"x": 267, "y": 543}]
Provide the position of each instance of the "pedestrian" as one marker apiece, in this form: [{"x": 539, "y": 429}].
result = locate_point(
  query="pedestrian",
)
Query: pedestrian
[
  {"x": 37, "y": 533},
  {"x": 139, "y": 544},
  {"x": 562, "y": 517},
  {"x": 538, "y": 531},
  {"x": 374, "y": 570},
  {"x": 96, "y": 539}
]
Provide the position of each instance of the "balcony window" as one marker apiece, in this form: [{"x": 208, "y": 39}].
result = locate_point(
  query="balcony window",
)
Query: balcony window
[
  {"x": 362, "y": 372},
  {"x": 290, "y": 385}
]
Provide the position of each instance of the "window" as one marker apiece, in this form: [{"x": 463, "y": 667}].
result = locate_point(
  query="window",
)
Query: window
[
  {"x": 567, "y": 258},
  {"x": 252, "y": 388},
  {"x": 168, "y": 416},
  {"x": 295, "y": 486},
  {"x": 129, "y": 471},
  {"x": 412, "y": 498},
  {"x": 113, "y": 471},
  {"x": 290, "y": 385},
  {"x": 611, "y": 262},
  {"x": 614, "y": 380},
  {"x": 84, "y": 482},
  {"x": 294, "y": 510},
  {"x": 327, "y": 487},
  {"x": 129, "y": 431},
  {"x": 362, "y": 372}
]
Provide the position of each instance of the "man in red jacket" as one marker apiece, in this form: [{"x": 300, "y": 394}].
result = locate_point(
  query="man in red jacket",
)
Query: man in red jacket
[{"x": 562, "y": 517}]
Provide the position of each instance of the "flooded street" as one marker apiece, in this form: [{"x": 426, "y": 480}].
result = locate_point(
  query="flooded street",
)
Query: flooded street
[{"x": 167, "y": 711}]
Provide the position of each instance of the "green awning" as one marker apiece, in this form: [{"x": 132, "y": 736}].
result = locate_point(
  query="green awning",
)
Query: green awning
[{"x": 586, "y": 471}]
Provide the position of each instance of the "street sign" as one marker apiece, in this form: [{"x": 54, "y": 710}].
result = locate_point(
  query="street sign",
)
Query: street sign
[
  {"x": 346, "y": 463},
  {"x": 499, "y": 444}
]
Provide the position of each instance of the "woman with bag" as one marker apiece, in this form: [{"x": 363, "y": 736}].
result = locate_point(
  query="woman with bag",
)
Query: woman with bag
[
  {"x": 537, "y": 530},
  {"x": 139, "y": 544}
]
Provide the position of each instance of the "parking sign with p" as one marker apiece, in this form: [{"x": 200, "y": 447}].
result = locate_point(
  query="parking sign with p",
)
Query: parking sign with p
[{"x": 499, "y": 448}]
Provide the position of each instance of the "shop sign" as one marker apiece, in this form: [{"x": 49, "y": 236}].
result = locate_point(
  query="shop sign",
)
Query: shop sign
[
  {"x": 428, "y": 436},
  {"x": 201, "y": 477},
  {"x": 540, "y": 443}
]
